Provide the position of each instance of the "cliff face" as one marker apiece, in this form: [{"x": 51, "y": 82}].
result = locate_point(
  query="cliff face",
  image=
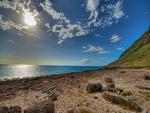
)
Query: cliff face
[
  {"x": 138, "y": 55},
  {"x": 147, "y": 37}
]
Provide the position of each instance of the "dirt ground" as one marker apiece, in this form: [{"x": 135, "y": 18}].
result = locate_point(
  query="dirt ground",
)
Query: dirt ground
[{"x": 69, "y": 91}]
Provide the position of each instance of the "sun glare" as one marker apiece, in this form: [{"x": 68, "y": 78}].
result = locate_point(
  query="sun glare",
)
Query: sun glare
[{"x": 29, "y": 19}]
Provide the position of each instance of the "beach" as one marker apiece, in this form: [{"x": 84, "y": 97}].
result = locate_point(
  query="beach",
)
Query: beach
[{"x": 68, "y": 92}]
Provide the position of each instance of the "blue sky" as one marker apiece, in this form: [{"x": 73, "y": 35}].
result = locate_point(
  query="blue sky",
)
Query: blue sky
[{"x": 69, "y": 32}]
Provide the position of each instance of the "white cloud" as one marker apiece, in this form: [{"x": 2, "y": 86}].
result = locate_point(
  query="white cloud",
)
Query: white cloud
[
  {"x": 19, "y": 6},
  {"x": 8, "y": 5},
  {"x": 8, "y": 24},
  {"x": 86, "y": 61},
  {"x": 114, "y": 38},
  {"x": 121, "y": 49},
  {"x": 67, "y": 32},
  {"x": 93, "y": 49},
  {"x": 91, "y": 6},
  {"x": 116, "y": 10},
  {"x": 113, "y": 12},
  {"x": 64, "y": 28},
  {"x": 47, "y": 6}
]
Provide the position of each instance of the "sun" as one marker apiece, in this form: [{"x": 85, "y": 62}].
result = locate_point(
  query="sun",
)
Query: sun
[{"x": 29, "y": 19}]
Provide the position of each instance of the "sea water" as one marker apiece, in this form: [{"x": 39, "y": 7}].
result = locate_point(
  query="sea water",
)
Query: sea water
[{"x": 21, "y": 71}]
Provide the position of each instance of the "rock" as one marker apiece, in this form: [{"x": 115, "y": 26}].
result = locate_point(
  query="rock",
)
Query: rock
[
  {"x": 116, "y": 99},
  {"x": 94, "y": 87},
  {"x": 119, "y": 100},
  {"x": 71, "y": 76},
  {"x": 15, "y": 109},
  {"x": 3, "y": 109},
  {"x": 107, "y": 79},
  {"x": 71, "y": 110},
  {"x": 122, "y": 71},
  {"x": 54, "y": 96},
  {"x": 134, "y": 106},
  {"x": 146, "y": 77},
  {"x": 110, "y": 85},
  {"x": 95, "y": 97},
  {"x": 119, "y": 90},
  {"x": 113, "y": 90},
  {"x": 126, "y": 93},
  {"x": 42, "y": 107}
]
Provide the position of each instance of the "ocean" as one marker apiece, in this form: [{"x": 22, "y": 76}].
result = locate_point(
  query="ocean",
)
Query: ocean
[{"x": 21, "y": 71}]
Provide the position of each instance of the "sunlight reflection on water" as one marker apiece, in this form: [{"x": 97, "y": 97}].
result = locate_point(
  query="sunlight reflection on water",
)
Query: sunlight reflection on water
[
  {"x": 23, "y": 70},
  {"x": 19, "y": 71}
]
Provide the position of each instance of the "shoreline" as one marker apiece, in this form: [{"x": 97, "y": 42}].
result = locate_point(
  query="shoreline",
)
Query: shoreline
[
  {"x": 37, "y": 73},
  {"x": 49, "y": 76},
  {"x": 66, "y": 74},
  {"x": 69, "y": 90}
]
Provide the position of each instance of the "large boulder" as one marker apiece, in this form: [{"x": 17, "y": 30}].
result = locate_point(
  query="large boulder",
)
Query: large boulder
[
  {"x": 119, "y": 100},
  {"x": 42, "y": 107},
  {"x": 94, "y": 87},
  {"x": 114, "y": 98},
  {"x": 3, "y": 109}
]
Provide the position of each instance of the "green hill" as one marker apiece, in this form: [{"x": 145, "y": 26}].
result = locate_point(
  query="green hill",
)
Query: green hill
[{"x": 138, "y": 55}]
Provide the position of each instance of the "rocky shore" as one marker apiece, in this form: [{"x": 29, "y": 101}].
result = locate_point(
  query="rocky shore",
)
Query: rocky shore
[{"x": 101, "y": 91}]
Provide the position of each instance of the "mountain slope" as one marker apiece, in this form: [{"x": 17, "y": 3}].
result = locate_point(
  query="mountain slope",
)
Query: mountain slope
[{"x": 138, "y": 55}]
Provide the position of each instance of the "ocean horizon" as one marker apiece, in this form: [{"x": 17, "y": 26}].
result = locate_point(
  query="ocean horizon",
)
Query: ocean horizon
[{"x": 24, "y": 71}]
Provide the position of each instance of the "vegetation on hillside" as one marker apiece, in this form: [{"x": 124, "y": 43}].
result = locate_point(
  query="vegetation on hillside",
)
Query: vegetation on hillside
[{"x": 138, "y": 55}]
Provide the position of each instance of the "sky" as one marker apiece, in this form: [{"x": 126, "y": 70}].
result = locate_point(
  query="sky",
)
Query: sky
[{"x": 69, "y": 32}]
